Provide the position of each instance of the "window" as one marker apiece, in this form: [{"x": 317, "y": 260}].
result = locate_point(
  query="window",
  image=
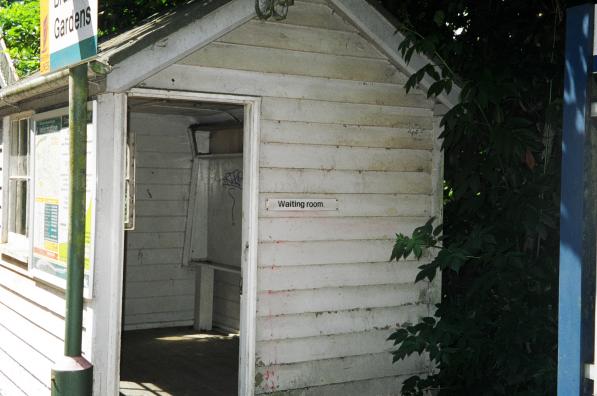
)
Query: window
[
  {"x": 18, "y": 179},
  {"x": 16, "y": 187},
  {"x": 129, "y": 182}
]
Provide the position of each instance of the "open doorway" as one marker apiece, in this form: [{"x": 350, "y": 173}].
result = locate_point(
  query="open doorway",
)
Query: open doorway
[{"x": 183, "y": 283}]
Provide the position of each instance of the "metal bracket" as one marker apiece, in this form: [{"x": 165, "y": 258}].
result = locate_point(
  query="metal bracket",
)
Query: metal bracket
[
  {"x": 100, "y": 68},
  {"x": 276, "y": 8}
]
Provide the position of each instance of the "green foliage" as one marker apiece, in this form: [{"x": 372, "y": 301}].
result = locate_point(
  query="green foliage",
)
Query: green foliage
[
  {"x": 494, "y": 332},
  {"x": 116, "y": 16},
  {"x": 19, "y": 22},
  {"x": 423, "y": 237}
]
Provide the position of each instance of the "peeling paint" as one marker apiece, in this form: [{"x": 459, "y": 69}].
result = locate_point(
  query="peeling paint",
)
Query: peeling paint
[
  {"x": 387, "y": 327},
  {"x": 258, "y": 379},
  {"x": 270, "y": 379}
]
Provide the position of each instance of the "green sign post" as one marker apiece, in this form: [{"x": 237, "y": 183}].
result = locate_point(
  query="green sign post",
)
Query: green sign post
[
  {"x": 68, "y": 37},
  {"x": 73, "y": 374}
]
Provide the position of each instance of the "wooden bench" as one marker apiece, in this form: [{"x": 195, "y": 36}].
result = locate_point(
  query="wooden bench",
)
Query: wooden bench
[{"x": 204, "y": 293}]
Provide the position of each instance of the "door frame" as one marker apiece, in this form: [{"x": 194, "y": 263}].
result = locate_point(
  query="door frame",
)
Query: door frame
[{"x": 250, "y": 202}]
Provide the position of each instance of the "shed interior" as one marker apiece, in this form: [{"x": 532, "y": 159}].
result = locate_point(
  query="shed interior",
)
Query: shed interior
[{"x": 181, "y": 303}]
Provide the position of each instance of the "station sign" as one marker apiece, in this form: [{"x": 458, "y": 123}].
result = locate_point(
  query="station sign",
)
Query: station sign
[{"x": 68, "y": 33}]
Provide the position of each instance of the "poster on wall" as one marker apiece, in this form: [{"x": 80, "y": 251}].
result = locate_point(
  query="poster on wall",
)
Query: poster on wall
[{"x": 51, "y": 195}]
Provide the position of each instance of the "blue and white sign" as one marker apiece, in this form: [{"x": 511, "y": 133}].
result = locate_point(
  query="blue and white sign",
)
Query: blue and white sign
[{"x": 68, "y": 32}]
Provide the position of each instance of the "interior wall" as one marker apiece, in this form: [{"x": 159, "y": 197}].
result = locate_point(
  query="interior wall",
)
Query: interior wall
[
  {"x": 224, "y": 241},
  {"x": 159, "y": 291}
]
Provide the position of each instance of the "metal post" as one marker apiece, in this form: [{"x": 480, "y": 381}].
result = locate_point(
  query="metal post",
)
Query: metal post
[
  {"x": 577, "y": 226},
  {"x": 73, "y": 375}
]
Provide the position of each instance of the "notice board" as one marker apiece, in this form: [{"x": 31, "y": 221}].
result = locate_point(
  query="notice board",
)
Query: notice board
[{"x": 50, "y": 206}]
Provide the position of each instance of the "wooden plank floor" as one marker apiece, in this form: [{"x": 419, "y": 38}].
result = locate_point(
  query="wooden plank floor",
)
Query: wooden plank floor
[{"x": 178, "y": 362}]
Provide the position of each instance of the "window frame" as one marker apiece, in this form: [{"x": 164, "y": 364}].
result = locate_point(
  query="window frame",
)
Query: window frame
[
  {"x": 13, "y": 244},
  {"x": 129, "y": 180}
]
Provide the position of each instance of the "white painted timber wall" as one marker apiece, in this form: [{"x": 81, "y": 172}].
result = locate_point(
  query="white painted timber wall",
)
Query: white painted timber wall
[
  {"x": 31, "y": 329},
  {"x": 159, "y": 291},
  {"x": 31, "y": 332},
  {"x": 336, "y": 123}
]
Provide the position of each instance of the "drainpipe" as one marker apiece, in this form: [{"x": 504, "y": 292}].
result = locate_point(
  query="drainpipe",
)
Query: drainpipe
[{"x": 73, "y": 374}]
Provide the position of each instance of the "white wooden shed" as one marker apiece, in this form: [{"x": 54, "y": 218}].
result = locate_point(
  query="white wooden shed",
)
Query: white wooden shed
[{"x": 210, "y": 129}]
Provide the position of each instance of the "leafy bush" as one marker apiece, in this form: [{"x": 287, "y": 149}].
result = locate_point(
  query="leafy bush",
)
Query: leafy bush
[
  {"x": 495, "y": 330},
  {"x": 494, "y": 337},
  {"x": 19, "y": 22}
]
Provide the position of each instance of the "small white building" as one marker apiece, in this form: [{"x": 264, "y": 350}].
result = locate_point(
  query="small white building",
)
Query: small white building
[{"x": 244, "y": 175}]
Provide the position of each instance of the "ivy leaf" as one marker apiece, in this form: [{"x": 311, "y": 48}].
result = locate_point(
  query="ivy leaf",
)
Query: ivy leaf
[
  {"x": 427, "y": 271},
  {"x": 398, "y": 336}
]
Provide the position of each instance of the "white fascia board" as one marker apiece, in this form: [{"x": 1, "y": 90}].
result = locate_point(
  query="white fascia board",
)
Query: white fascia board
[
  {"x": 383, "y": 33},
  {"x": 186, "y": 40}
]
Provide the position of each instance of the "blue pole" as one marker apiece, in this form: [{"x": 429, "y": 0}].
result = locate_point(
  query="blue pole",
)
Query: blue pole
[{"x": 575, "y": 210}]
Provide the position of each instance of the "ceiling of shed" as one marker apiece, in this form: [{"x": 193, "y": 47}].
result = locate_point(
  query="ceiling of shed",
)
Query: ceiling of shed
[{"x": 204, "y": 113}]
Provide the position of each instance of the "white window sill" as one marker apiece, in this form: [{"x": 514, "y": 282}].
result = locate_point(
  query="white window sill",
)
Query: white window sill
[{"x": 15, "y": 253}]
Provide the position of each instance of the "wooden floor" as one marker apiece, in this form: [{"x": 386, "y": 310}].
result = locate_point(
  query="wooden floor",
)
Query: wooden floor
[{"x": 178, "y": 362}]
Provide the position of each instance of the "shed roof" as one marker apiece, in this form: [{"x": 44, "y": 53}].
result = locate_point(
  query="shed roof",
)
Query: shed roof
[
  {"x": 195, "y": 24},
  {"x": 155, "y": 28}
]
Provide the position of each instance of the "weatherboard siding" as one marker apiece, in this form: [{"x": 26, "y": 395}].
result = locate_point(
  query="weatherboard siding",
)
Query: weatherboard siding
[
  {"x": 159, "y": 291},
  {"x": 335, "y": 123},
  {"x": 31, "y": 332},
  {"x": 226, "y": 303}
]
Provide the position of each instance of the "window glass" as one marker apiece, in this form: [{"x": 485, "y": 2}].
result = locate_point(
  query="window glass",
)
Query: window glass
[{"x": 18, "y": 186}]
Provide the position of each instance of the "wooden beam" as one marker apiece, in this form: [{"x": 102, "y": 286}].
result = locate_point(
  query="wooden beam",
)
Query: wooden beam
[
  {"x": 204, "y": 298},
  {"x": 109, "y": 249}
]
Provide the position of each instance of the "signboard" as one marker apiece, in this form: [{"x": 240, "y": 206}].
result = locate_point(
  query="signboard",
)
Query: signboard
[
  {"x": 51, "y": 195},
  {"x": 301, "y": 204},
  {"x": 68, "y": 33}
]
